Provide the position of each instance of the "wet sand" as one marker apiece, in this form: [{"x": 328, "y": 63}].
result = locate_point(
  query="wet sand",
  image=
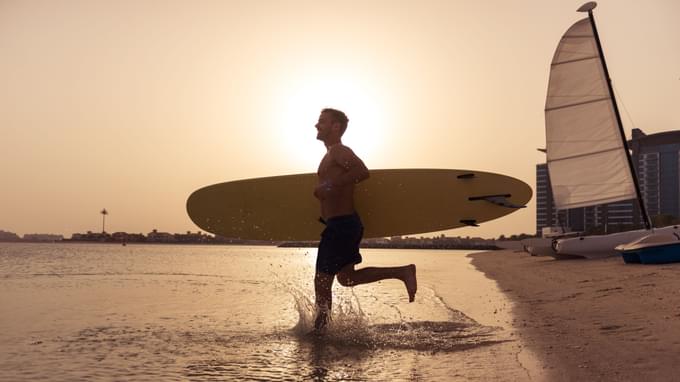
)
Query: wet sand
[{"x": 592, "y": 320}]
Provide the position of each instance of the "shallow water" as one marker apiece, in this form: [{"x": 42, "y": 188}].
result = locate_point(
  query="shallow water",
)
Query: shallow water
[{"x": 200, "y": 313}]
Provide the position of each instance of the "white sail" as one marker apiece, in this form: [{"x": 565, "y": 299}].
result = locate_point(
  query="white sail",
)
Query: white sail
[{"x": 586, "y": 157}]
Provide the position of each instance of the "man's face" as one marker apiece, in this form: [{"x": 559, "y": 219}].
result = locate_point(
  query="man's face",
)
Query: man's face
[{"x": 324, "y": 126}]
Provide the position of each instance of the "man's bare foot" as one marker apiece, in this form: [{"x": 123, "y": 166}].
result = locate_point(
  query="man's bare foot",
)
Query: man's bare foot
[
  {"x": 411, "y": 282},
  {"x": 316, "y": 333}
]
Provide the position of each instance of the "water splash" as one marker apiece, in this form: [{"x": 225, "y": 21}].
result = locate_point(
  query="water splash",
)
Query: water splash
[{"x": 350, "y": 326}]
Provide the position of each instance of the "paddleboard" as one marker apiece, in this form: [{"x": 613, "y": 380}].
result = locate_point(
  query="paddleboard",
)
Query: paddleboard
[{"x": 391, "y": 202}]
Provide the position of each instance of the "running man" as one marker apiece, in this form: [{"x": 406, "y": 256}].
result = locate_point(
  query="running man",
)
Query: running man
[{"x": 339, "y": 170}]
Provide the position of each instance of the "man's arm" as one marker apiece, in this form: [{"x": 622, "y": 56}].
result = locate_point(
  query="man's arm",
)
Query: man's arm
[{"x": 356, "y": 170}]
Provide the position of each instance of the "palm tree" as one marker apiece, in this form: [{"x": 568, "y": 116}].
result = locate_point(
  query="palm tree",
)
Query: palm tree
[{"x": 104, "y": 212}]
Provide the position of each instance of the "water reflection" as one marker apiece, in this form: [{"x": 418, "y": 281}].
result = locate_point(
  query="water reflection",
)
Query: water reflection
[
  {"x": 151, "y": 313},
  {"x": 388, "y": 351},
  {"x": 328, "y": 362}
]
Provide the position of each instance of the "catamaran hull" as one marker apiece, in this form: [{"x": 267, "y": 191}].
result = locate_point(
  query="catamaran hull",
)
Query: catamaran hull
[
  {"x": 657, "y": 248},
  {"x": 600, "y": 246},
  {"x": 662, "y": 254},
  {"x": 541, "y": 250},
  {"x": 538, "y": 246}
]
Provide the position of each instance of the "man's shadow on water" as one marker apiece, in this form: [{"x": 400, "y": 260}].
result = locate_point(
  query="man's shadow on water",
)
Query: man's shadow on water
[{"x": 342, "y": 352}]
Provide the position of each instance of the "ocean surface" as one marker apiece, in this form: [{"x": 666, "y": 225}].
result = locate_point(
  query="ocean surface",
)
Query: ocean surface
[{"x": 102, "y": 312}]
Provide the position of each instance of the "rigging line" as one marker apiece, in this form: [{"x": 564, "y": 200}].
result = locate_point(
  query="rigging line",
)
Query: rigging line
[{"x": 620, "y": 98}]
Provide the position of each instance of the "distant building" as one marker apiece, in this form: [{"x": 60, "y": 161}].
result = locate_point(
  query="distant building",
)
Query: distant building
[
  {"x": 658, "y": 165},
  {"x": 124, "y": 237},
  {"x": 9, "y": 236},
  {"x": 90, "y": 236},
  {"x": 160, "y": 237},
  {"x": 657, "y": 161},
  {"x": 191, "y": 237},
  {"x": 377, "y": 241},
  {"x": 546, "y": 214},
  {"x": 153, "y": 237},
  {"x": 43, "y": 237}
]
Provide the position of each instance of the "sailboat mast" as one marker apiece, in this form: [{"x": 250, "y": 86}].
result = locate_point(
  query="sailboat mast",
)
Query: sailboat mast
[{"x": 588, "y": 7}]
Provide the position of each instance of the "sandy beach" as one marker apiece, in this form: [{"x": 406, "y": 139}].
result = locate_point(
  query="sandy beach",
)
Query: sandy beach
[{"x": 592, "y": 319}]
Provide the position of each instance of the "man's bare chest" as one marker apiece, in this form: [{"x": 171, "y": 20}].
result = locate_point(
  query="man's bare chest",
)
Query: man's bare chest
[{"x": 328, "y": 168}]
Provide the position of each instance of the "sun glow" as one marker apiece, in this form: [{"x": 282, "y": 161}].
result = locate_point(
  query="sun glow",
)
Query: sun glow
[{"x": 302, "y": 97}]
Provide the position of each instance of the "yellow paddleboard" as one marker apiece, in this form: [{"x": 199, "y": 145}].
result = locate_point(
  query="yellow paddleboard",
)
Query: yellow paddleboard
[{"x": 391, "y": 203}]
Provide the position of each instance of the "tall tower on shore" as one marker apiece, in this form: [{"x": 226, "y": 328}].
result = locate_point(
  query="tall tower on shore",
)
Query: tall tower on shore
[{"x": 104, "y": 212}]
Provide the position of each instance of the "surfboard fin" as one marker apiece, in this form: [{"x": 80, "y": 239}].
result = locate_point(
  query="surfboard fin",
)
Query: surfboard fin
[
  {"x": 470, "y": 222},
  {"x": 468, "y": 175},
  {"x": 499, "y": 200}
]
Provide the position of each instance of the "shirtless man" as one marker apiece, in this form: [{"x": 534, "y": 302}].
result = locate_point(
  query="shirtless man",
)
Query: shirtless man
[{"x": 339, "y": 170}]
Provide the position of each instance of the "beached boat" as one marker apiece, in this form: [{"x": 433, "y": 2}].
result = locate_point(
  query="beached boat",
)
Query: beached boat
[
  {"x": 587, "y": 153},
  {"x": 545, "y": 245},
  {"x": 538, "y": 246},
  {"x": 599, "y": 246},
  {"x": 656, "y": 248}
]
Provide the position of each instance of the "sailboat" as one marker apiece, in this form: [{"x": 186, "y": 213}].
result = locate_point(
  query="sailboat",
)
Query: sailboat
[{"x": 588, "y": 157}]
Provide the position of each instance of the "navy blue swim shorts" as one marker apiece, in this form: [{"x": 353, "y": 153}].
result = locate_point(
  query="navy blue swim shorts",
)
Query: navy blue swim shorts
[{"x": 339, "y": 244}]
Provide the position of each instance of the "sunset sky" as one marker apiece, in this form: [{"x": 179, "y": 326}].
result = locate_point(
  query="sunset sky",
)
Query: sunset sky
[{"x": 133, "y": 105}]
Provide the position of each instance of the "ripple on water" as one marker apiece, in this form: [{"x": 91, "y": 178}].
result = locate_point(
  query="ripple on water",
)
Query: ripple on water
[
  {"x": 353, "y": 348},
  {"x": 173, "y": 325}
]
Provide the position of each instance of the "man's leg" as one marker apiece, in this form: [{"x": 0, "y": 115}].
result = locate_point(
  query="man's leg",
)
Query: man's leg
[
  {"x": 348, "y": 276},
  {"x": 323, "y": 282}
]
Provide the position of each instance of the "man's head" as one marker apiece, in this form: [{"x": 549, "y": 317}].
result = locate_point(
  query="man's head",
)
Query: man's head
[{"x": 331, "y": 126}]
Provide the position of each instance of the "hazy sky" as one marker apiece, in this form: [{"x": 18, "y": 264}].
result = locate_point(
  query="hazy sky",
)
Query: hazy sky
[{"x": 132, "y": 105}]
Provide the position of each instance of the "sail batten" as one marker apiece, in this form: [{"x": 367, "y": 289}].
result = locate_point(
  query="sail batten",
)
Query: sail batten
[
  {"x": 587, "y": 159},
  {"x": 577, "y": 104},
  {"x": 574, "y": 60},
  {"x": 583, "y": 155}
]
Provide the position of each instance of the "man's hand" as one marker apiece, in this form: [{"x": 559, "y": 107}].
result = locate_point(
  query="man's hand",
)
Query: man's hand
[{"x": 324, "y": 188}]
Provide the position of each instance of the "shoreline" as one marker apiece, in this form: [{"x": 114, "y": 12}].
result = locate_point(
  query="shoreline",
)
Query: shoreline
[
  {"x": 267, "y": 244},
  {"x": 592, "y": 319}
]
